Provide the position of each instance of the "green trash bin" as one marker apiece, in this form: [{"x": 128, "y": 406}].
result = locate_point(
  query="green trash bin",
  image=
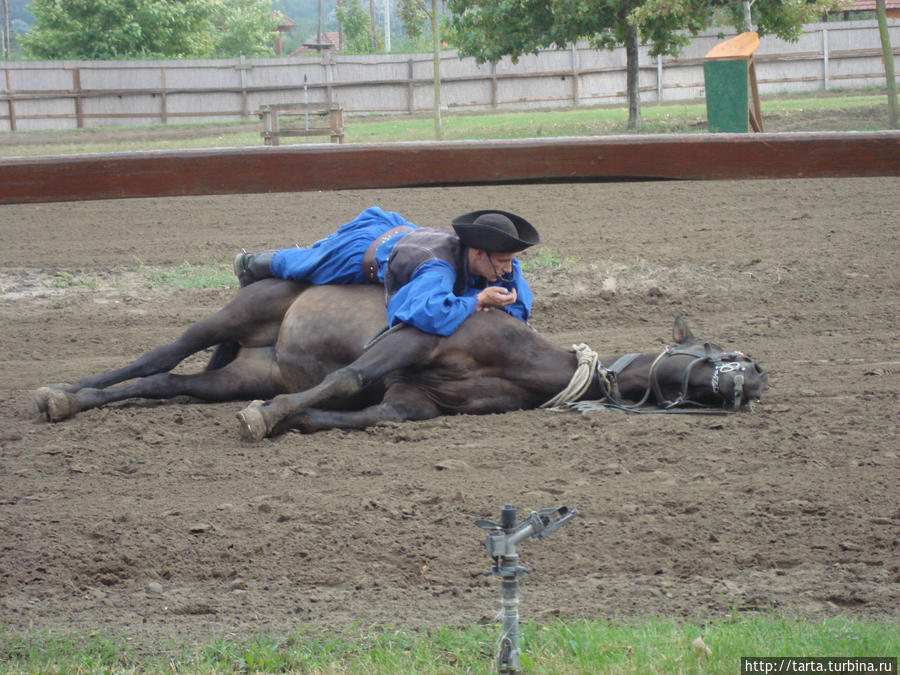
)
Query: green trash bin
[{"x": 732, "y": 102}]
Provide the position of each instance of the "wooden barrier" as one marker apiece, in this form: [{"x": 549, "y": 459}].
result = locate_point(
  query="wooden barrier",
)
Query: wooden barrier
[
  {"x": 296, "y": 168},
  {"x": 271, "y": 116}
]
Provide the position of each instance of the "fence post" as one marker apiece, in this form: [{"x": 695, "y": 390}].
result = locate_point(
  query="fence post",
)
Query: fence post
[
  {"x": 825, "y": 54},
  {"x": 410, "y": 87},
  {"x": 329, "y": 78},
  {"x": 163, "y": 102},
  {"x": 242, "y": 67},
  {"x": 76, "y": 89},
  {"x": 10, "y": 102},
  {"x": 575, "y": 75},
  {"x": 494, "y": 84}
]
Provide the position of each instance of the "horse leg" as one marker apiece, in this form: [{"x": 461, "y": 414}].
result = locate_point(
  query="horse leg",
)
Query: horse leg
[
  {"x": 246, "y": 378},
  {"x": 251, "y": 308},
  {"x": 401, "y": 404},
  {"x": 404, "y": 348}
]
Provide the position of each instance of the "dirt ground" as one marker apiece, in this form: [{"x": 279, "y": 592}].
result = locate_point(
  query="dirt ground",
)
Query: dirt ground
[{"x": 154, "y": 519}]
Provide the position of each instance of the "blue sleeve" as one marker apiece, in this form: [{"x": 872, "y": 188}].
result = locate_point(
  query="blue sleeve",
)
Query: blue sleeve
[
  {"x": 521, "y": 308},
  {"x": 428, "y": 302}
]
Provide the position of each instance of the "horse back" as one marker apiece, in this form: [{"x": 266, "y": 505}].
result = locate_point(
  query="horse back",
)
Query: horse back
[{"x": 326, "y": 328}]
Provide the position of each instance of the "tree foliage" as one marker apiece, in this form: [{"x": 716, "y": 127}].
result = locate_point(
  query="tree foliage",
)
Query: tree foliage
[
  {"x": 357, "y": 27},
  {"x": 245, "y": 27},
  {"x": 118, "y": 29},
  {"x": 492, "y": 29},
  {"x": 413, "y": 14}
]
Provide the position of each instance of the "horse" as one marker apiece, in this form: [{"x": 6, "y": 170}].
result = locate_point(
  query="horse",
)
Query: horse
[{"x": 305, "y": 355}]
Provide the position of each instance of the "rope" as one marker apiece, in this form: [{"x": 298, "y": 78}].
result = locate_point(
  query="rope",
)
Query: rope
[{"x": 581, "y": 379}]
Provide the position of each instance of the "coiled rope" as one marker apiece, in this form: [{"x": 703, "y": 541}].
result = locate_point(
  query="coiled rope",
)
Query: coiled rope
[{"x": 588, "y": 362}]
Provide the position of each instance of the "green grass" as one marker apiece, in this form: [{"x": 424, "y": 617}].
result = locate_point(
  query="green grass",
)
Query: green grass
[
  {"x": 210, "y": 274},
  {"x": 657, "y": 118},
  {"x": 560, "y": 647},
  {"x": 207, "y": 275},
  {"x": 63, "y": 280},
  {"x": 545, "y": 259}
]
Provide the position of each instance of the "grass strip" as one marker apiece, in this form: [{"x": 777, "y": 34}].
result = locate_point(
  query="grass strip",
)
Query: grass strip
[
  {"x": 559, "y": 647},
  {"x": 689, "y": 117}
]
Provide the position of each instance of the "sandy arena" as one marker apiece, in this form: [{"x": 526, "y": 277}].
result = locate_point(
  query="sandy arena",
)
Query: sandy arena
[{"x": 153, "y": 518}]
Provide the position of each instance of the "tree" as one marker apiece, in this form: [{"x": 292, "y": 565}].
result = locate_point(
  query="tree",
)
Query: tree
[
  {"x": 118, "y": 29},
  {"x": 491, "y": 29},
  {"x": 355, "y": 26},
  {"x": 245, "y": 27},
  {"x": 413, "y": 13}
]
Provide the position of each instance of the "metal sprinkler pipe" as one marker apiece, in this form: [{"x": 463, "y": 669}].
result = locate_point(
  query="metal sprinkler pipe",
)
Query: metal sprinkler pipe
[{"x": 500, "y": 543}]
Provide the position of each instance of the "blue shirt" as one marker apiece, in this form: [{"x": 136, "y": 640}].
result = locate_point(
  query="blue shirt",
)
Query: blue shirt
[{"x": 426, "y": 302}]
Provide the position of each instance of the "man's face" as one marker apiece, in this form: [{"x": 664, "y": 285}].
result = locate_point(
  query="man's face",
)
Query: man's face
[{"x": 491, "y": 265}]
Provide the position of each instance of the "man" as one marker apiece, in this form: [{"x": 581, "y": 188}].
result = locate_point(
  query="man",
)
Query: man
[{"x": 433, "y": 279}]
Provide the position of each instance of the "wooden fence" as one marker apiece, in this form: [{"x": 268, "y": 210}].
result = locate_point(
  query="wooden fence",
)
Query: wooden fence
[
  {"x": 294, "y": 168},
  {"x": 68, "y": 94}
]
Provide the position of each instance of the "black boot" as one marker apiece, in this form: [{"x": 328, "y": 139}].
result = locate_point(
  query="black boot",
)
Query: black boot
[{"x": 250, "y": 267}]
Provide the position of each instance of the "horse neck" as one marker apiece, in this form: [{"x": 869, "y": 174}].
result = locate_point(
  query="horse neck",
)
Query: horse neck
[
  {"x": 559, "y": 368},
  {"x": 634, "y": 378}
]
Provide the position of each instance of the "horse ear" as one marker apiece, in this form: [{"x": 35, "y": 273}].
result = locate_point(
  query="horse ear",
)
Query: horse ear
[{"x": 680, "y": 332}]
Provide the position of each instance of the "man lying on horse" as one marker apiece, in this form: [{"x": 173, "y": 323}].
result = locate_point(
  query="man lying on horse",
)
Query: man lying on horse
[
  {"x": 306, "y": 347},
  {"x": 433, "y": 279}
]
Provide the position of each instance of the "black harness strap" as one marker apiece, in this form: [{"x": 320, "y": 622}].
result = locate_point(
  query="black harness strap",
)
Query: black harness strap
[{"x": 611, "y": 399}]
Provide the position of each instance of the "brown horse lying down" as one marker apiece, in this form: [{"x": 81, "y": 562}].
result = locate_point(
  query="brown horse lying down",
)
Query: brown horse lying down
[{"x": 305, "y": 348}]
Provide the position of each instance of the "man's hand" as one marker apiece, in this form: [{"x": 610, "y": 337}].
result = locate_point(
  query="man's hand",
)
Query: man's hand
[{"x": 494, "y": 296}]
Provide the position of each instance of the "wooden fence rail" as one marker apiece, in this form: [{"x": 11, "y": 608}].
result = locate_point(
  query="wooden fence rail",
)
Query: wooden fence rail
[{"x": 402, "y": 165}]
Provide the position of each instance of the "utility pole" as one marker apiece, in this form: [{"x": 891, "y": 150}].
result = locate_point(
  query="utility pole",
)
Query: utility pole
[
  {"x": 372, "y": 24},
  {"x": 436, "y": 36},
  {"x": 5, "y": 45},
  {"x": 387, "y": 26}
]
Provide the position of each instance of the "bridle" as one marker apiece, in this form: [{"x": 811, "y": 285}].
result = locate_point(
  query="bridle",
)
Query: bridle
[{"x": 725, "y": 365}]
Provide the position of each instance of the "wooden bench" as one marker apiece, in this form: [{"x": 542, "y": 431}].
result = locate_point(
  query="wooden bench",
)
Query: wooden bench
[{"x": 311, "y": 114}]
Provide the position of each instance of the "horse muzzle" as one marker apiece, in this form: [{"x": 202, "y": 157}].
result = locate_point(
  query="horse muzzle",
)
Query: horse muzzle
[{"x": 740, "y": 383}]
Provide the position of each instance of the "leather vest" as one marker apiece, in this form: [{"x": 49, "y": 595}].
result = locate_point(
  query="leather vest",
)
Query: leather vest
[{"x": 418, "y": 247}]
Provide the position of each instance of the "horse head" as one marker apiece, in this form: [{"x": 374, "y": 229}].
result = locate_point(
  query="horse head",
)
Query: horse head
[
  {"x": 702, "y": 373},
  {"x": 691, "y": 374}
]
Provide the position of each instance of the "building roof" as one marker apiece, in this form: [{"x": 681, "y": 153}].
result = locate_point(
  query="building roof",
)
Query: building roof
[
  {"x": 329, "y": 42},
  {"x": 285, "y": 23}
]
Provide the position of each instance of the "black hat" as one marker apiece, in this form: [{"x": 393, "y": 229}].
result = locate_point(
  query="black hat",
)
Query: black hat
[{"x": 495, "y": 231}]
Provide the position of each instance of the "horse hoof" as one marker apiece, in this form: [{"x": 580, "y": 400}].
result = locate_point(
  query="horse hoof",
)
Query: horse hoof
[
  {"x": 58, "y": 405},
  {"x": 40, "y": 397},
  {"x": 253, "y": 424}
]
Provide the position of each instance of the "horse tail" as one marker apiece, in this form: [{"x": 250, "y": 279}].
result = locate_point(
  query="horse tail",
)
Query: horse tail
[{"x": 224, "y": 354}]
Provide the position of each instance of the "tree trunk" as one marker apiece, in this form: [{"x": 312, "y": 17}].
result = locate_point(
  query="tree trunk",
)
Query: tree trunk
[
  {"x": 748, "y": 22},
  {"x": 632, "y": 78},
  {"x": 372, "y": 24},
  {"x": 436, "y": 36},
  {"x": 888, "y": 56}
]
